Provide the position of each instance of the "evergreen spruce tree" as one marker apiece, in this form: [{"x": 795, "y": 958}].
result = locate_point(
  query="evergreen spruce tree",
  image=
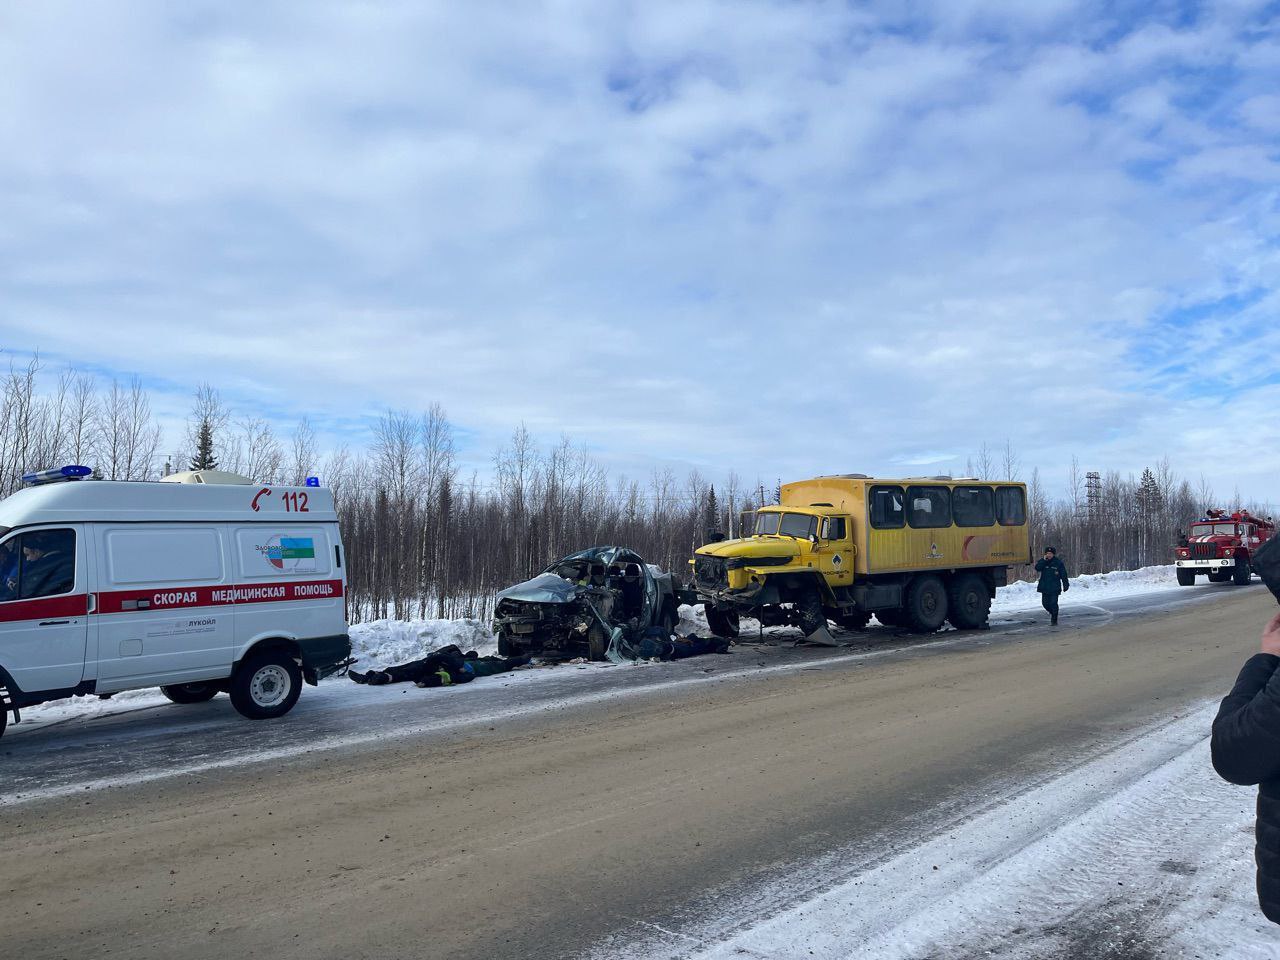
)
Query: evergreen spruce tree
[
  {"x": 711, "y": 519},
  {"x": 204, "y": 458}
]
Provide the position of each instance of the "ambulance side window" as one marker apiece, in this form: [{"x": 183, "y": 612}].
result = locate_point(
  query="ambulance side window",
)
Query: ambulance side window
[{"x": 38, "y": 564}]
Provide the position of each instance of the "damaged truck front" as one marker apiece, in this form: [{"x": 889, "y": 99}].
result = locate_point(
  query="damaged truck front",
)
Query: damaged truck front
[{"x": 596, "y": 604}]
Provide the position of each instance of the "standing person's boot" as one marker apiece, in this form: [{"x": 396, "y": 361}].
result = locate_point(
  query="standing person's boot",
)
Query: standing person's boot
[{"x": 1053, "y": 620}]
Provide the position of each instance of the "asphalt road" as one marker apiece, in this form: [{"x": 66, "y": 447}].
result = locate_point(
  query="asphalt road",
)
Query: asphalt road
[{"x": 542, "y": 815}]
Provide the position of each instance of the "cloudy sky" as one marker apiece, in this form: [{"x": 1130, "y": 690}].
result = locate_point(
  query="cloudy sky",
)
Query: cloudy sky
[{"x": 778, "y": 238}]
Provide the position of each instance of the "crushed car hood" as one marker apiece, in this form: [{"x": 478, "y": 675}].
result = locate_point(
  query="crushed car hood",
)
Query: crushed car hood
[{"x": 544, "y": 588}]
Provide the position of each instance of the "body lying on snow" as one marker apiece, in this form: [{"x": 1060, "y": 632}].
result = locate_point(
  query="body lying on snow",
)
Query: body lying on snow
[
  {"x": 449, "y": 665},
  {"x": 440, "y": 668}
]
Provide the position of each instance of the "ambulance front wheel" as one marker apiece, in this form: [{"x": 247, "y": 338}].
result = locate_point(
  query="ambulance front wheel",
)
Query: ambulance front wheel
[{"x": 266, "y": 685}]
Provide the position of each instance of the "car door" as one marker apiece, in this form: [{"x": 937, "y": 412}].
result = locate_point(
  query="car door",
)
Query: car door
[{"x": 44, "y": 606}]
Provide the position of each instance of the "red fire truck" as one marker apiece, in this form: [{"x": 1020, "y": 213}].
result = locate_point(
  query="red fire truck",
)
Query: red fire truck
[{"x": 1221, "y": 544}]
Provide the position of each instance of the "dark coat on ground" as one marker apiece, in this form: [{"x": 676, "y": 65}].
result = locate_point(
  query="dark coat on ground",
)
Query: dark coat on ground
[
  {"x": 1053, "y": 575},
  {"x": 1246, "y": 750}
]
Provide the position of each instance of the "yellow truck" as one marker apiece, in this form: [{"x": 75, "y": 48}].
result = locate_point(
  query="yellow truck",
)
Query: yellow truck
[{"x": 916, "y": 552}]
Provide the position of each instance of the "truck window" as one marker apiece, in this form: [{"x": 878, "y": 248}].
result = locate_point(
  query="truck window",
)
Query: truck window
[
  {"x": 799, "y": 525},
  {"x": 1011, "y": 506},
  {"x": 767, "y": 523},
  {"x": 833, "y": 528},
  {"x": 886, "y": 510},
  {"x": 928, "y": 507},
  {"x": 973, "y": 506},
  {"x": 38, "y": 564}
]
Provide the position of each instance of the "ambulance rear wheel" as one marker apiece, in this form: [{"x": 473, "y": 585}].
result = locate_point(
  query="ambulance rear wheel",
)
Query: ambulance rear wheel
[
  {"x": 266, "y": 685},
  {"x": 1241, "y": 572},
  {"x": 191, "y": 692},
  {"x": 1186, "y": 578}
]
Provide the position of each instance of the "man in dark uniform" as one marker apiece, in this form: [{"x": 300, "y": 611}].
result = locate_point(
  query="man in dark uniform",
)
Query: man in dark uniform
[{"x": 1053, "y": 580}]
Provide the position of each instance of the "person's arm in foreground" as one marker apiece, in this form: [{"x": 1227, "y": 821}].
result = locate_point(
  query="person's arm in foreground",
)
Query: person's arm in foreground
[{"x": 1246, "y": 732}]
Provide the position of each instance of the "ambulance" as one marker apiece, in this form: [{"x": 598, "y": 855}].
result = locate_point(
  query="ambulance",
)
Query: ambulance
[{"x": 203, "y": 585}]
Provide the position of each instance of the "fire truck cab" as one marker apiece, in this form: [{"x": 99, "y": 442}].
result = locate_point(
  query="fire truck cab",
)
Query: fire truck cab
[
  {"x": 1221, "y": 545},
  {"x": 197, "y": 587}
]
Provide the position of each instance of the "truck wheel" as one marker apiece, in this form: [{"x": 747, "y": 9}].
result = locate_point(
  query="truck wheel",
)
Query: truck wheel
[
  {"x": 1241, "y": 574},
  {"x": 925, "y": 604},
  {"x": 890, "y": 618},
  {"x": 969, "y": 602},
  {"x": 812, "y": 617},
  {"x": 191, "y": 692},
  {"x": 723, "y": 623},
  {"x": 266, "y": 685},
  {"x": 857, "y": 620},
  {"x": 1186, "y": 578}
]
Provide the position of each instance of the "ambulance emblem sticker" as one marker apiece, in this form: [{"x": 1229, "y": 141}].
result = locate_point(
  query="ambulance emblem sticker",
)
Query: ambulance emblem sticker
[{"x": 290, "y": 554}]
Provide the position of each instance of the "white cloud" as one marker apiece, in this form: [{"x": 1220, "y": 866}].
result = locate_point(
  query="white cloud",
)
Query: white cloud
[{"x": 777, "y": 238}]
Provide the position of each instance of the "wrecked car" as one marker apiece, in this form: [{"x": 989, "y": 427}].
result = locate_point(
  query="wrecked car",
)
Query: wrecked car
[{"x": 596, "y": 604}]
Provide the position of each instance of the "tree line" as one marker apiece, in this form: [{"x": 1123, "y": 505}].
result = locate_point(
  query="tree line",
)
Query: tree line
[{"x": 424, "y": 540}]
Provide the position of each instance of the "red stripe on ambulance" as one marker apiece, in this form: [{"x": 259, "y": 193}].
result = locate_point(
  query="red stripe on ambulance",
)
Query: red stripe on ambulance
[
  {"x": 180, "y": 598},
  {"x": 44, "y": 608}
]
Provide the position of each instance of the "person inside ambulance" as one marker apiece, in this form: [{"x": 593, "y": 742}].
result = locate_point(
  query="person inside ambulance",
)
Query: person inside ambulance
[
  {"x": 8, "y": 572},
  {"x": 48, "y": 564}
]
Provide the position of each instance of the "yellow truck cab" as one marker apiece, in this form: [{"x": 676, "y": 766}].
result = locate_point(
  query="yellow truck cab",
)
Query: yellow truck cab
[{"x": 917, "y": 552}]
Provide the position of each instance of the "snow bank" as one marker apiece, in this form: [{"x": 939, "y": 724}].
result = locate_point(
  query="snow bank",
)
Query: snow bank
[
  {"x": 1093, "y": 586},
  {"x": 382, "y": 643}
]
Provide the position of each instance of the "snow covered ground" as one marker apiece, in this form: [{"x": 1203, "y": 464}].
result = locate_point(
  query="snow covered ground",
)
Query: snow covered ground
[
  {"x": 1139, "y": 853},
  {"x": 384, "y": 642}
]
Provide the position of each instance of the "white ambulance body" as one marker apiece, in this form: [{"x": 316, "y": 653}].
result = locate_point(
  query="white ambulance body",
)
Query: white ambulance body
[{"x": 195, "y": 587}]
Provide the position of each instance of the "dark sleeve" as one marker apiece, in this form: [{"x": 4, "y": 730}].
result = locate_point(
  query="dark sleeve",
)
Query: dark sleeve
[
  {"x": 1062, "y": 572},
  {"x": 1040, "y": 565},
  {"x": 1246, "y": 732}
]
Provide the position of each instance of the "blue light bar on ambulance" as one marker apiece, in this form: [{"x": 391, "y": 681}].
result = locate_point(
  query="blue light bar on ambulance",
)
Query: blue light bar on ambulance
[{"x": 72, "y": 472}]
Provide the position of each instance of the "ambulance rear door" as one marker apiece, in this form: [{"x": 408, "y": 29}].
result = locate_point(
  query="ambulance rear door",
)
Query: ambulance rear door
[{"x": 165, "y": 614}]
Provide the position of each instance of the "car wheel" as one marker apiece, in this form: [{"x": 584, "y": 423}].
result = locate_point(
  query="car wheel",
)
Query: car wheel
[
  {"x": 926, "y": 604},
  {"x": 1241, "y": 574},
  {"x": 597, "y": 643},
  {"x": 1186, "y": 578},
  {"x": 191, "y": 692},
  {"x": 968, "y": 602},
  {"x": 723, "y": 623},
  {"x": 266, "y": 685}
]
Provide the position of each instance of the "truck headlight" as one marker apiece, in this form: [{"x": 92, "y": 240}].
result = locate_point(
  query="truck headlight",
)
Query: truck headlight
[{"x": 1227, "y": 552}]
